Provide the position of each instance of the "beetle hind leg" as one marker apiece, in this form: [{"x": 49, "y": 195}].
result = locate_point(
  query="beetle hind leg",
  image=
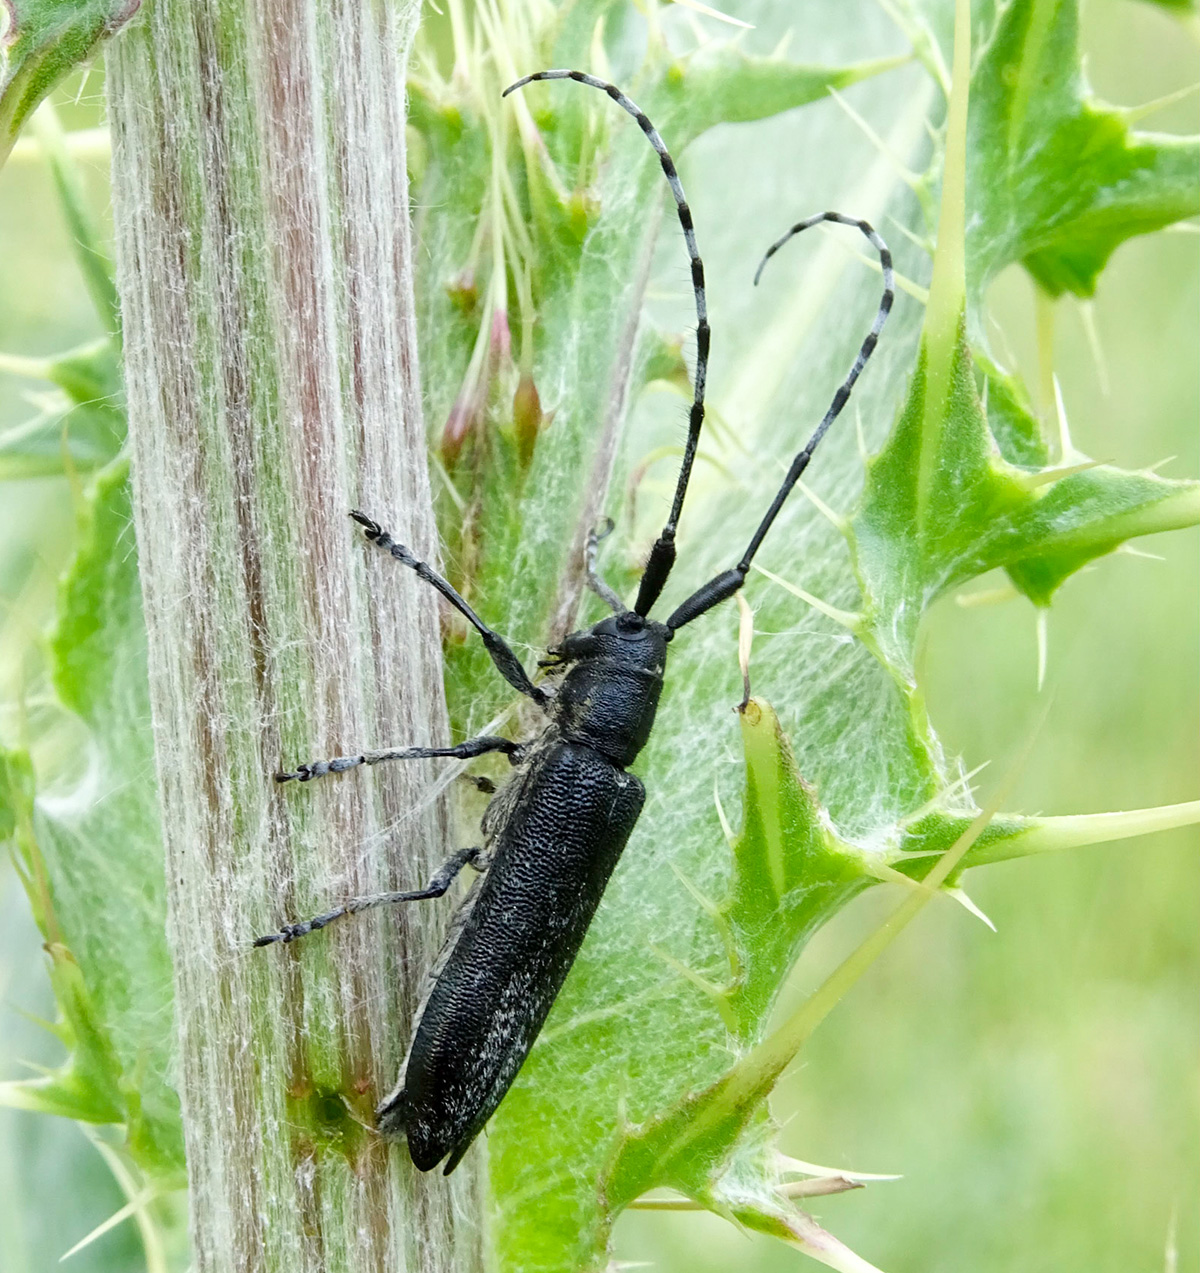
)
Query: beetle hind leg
[{"x": 437, "y": 887}]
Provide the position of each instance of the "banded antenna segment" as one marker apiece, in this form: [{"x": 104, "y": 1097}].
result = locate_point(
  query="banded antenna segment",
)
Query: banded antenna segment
[{"x": 662, "y": 555}]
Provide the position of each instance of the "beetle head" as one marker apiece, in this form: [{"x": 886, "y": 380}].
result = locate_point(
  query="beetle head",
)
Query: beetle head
[
  {"x": 610, "y": 693},
  {"x": 627, "y": 639}
]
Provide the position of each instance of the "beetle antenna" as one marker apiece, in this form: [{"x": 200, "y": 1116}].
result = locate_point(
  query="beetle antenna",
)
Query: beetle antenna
[
  {"x": 662, "y": 555},
  {"x": 727, "y": 583}
]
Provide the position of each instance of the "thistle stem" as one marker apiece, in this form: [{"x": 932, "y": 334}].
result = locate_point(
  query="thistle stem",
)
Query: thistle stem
[{"x": 264, "y": 270}]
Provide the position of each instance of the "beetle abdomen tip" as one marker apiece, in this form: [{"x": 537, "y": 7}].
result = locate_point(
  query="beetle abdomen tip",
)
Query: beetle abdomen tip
[
  {"x": 391, "y": 1116},
  {"x": 426, "y": 1148}
]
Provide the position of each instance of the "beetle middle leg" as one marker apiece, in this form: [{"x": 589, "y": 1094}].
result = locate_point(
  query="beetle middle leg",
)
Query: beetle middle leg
[
  {"x": 437, "y": 887},
  {"x": 462, "y": 751}
]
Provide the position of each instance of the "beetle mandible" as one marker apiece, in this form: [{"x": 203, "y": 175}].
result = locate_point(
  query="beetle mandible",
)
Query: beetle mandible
[{"x": 553, "y": 834}]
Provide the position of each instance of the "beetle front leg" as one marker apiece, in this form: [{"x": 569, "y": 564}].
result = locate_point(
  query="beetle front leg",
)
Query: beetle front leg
[
  {"x": 595, "y": 537},
  {"x": 501, "y": 653},
  {"x": 436, "y": 887}
]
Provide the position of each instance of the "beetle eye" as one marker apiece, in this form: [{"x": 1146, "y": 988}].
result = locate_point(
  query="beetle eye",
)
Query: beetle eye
[{"x": 579, "y": 645}]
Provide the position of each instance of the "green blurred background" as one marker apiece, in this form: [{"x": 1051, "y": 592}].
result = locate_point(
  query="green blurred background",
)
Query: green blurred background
[{"x": 1036, "y": 1088}]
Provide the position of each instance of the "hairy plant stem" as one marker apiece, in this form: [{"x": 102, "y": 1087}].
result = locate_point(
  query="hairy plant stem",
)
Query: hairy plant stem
[{"x": 264, "y": 269}]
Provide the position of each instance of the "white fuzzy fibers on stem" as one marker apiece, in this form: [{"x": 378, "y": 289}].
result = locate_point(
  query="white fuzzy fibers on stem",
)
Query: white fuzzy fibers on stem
[{"x": 265, "y": 274}]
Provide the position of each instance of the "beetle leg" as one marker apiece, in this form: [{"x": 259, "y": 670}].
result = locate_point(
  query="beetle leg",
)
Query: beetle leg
[
  {"x": 502, "y": 655},
  {"x": 436, "y": 887},
  {"x": 463, "y": 751},
  {"x": 594, "y": 581}
]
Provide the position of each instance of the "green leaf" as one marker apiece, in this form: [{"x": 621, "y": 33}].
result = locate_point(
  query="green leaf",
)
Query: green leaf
[
  {"x": 94, "y": 262},
  {"x": 88, "y": 1085},
  {"x": 943, "y": 501},
  {"x": 94, "y": 856},
  {"x": 723, "y": 85},
  {"x": 641, "y": 1077},
  {"x": 1175, "y": 6},
  {"x": 45, "y": 41},
  {"x": 915, "y": 539},
  {"x": 791, "y": 872},
  {"x": 1011, "y": 417},
  {"x": 81, "y": 424},
  {"x": 1058, "y": 180},
  {"x": 101, "y": 835}
]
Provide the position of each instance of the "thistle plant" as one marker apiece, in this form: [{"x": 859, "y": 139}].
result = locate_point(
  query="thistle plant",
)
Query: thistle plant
[{"x": 263, "y": 313}]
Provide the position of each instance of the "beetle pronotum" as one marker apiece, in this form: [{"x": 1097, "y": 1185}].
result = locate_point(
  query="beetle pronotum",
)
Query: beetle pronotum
[{"x": 554, "y": 833}]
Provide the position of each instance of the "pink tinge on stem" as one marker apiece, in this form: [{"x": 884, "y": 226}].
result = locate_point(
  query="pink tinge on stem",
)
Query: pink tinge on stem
[
  {"x": 465, "y": 416},
  {"x": 500, "y": 343}
]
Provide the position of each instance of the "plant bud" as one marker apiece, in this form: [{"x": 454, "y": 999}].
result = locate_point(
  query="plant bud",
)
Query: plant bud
[
  {"x": 464, "y": 417},
  {"x": 527, "y": 418},
  {"x": 463, "y": 290}
]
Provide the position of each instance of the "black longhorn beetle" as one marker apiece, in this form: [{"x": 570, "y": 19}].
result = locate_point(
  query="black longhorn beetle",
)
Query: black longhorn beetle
[{"x": 553, "y": 834}]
